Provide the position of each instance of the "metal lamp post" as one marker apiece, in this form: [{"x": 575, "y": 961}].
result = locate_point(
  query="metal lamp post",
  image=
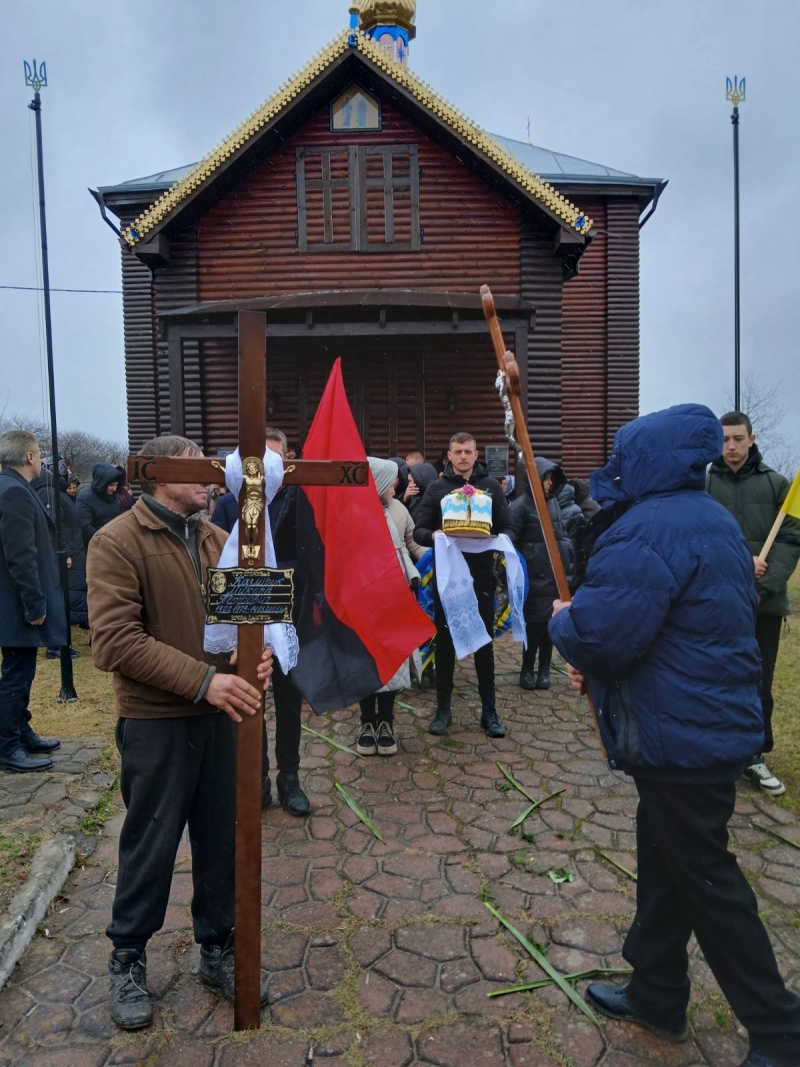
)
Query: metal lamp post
[
  {"x": 735, "y": 93},
  {"x": 36, "y": 78}
]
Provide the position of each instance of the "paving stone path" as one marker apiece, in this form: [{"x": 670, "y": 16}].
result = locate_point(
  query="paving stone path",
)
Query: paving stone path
[{"x": 383, "y": 953}]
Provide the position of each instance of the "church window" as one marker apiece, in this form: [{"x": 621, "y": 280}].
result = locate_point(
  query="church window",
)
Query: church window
[{"x": 361, "y": 198}]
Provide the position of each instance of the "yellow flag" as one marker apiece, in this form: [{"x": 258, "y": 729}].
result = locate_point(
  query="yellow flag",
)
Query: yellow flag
[{"x": 791, "y": 505}]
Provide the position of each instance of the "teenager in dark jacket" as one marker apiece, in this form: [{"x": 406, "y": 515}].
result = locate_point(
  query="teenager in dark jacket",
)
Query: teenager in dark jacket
[
  {"x": 462, "y": 468},
  {"x": 663, "y": 630},
  {"x": 574, "y": 524},
  {"x": 753, "y": 493},
  {"x": 529, "y": 539},
  {"x": 97, "y": 503},
  {"x": 74, "y": 545},
  {"x": 583, "y": 498},
  {"x": 123, "y": 494}
]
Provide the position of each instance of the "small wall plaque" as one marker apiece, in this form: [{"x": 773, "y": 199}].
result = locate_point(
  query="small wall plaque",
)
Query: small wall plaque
[
  {"x": 497, "y": 460},
  {"x": 257, "y": 596}
]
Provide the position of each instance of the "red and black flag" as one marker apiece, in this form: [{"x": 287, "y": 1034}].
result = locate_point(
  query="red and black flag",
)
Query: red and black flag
[{"x": 356, "y": 619}]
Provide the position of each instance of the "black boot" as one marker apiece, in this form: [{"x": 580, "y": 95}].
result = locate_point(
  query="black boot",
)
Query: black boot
[
  {"x": 291, "y": 795},
  {"x": 442, "y": 719},
  {"x": 612, "y": 1000},
  {"x": 266, "y": 792},
  {"x": 491, "y": 724},
  {"x": 31, "y": 742},
  {"x": 526, "y": 679},
  {"x": 217, "y": 968},
  {"x": 21, "y": 761},
  {"x": 129, "y": 1000},
  {"x": 543, "y": 678}
]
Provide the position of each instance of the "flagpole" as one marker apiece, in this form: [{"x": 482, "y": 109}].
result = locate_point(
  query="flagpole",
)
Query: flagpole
[
  {"x": 36, "y": 77},
  {"x": 735, "y": 92}
]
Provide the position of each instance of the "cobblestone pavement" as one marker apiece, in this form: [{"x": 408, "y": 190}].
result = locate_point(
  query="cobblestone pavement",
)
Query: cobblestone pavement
[{"x": 384, "y": 954}]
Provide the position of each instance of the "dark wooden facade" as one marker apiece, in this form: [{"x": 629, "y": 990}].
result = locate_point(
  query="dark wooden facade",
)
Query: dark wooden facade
[{"x": 417, "y": 360}]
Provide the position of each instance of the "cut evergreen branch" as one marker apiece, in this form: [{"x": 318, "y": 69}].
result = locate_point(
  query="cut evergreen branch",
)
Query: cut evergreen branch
[
  {"x": 329, "y": 740},
  {"x": 597, "y": 972},
  {"x": 370, "y": 825},
  {"x": 631, "y": 874},
  {"x": 408, "y": 707},
  {"x": 780, "y": 837},
  {"x": 559, "y": 979}
]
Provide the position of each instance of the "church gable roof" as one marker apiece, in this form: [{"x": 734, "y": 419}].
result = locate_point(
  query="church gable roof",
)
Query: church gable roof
[{"x": 203, "y": 174}]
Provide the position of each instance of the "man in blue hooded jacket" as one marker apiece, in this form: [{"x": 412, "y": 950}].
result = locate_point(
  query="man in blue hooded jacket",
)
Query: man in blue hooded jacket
[{"x": 663, "y": 631}]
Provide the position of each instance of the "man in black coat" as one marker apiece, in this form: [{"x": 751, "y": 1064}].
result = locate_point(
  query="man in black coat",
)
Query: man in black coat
[
  {"x": 31, "y": 604},
  {"x": 98, "y": 503},
  {"x": 463, "y": 468}
]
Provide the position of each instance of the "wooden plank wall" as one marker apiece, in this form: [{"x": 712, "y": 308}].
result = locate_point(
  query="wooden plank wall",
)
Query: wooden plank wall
[
  {"x": 141, "y": 367},
  {"x": 248, "y": 240}
]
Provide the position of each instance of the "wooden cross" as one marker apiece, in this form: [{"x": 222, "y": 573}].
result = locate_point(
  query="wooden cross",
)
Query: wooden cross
[{"x": 252, "y": 423}]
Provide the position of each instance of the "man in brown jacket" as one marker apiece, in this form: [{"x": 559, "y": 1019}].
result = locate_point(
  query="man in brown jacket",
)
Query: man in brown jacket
[{"x": 146, "y": 574}]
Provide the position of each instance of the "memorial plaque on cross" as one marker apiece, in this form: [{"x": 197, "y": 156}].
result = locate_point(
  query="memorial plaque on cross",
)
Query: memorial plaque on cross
[{"x": 252, "y": 332}]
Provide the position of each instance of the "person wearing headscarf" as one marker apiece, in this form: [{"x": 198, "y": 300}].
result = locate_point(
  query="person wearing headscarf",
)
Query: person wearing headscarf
[
  {"x": 376, "y": 734},
  {"x": 420, "y": 476}
]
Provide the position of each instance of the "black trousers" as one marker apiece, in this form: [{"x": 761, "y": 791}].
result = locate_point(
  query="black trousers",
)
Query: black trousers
[
  {"x": 19, "y": 670},
  {"x": 385, "y": 712},
  {"x": 484, "y": 657},
  {"x": 538, "y": 642},
  {"x": 175, "y": 771},
  {"x": 768, "y": 635},
  {"x": 689, "y": 882},
  {"x": 288, "y": 702}
]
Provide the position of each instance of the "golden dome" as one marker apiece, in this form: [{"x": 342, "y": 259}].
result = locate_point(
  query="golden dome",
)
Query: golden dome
[{"x": 388, "y": 13}]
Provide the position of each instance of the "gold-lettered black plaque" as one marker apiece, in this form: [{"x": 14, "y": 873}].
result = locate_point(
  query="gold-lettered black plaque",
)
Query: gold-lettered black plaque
[{"x": 244, "y": 595}]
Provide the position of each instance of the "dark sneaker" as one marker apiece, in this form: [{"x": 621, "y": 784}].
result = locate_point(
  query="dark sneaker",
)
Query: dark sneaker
[
  {"x": 526, "y": 680},
  {"x": 367, "y": 744},
  {"x": 543, "y": 678},
  {"x": 129, "y": 1000},
  {"x": 759, "y": 774},
  {"x": 492, "y": 725},
  {"x": 440, "y": 722},
  {"x": 387, "y": 745},
  {"x": 291, "y": 795},
  {"x": 31, "y": 742},
  {"x": 20, "y": 761},
  {"x": 217, "y": 969},
  {"x": 266, "y": 792},
  {"x": 612, "y": 1001}
]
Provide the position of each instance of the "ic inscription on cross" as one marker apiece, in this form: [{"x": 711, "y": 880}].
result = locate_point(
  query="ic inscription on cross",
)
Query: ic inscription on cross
[{"x": 252, "y": 331}]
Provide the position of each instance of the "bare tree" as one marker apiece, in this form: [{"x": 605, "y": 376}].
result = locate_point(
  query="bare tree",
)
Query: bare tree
[
  {"x": 765, "y": 407},
  {"x": 80, "y": 449}
]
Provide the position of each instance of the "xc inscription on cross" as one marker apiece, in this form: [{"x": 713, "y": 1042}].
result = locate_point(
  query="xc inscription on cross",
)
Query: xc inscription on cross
[{"x": 252, "y": 329}]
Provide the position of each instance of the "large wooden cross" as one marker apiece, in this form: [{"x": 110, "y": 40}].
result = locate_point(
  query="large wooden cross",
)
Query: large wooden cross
[{"x": 252, "y": 327}]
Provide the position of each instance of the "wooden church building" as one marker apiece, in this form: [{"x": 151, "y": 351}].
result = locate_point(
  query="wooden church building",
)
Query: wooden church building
[{"x": 363, "y": 213}]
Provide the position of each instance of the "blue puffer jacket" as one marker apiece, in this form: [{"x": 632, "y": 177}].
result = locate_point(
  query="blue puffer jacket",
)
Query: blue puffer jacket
[{"x": 664, "y": 625}]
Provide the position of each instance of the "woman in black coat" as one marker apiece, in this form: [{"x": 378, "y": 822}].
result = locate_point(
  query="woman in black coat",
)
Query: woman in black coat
[
  {"x": 73, "y": 541},
  {"x": 98, "y": 503},
  {"x": 529, "y": 540},
  {"x": 421, "y": 475}
]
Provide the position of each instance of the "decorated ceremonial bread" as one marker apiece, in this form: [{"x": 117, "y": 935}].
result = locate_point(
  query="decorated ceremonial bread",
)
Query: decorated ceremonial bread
[{"x": 467, "y": 512}]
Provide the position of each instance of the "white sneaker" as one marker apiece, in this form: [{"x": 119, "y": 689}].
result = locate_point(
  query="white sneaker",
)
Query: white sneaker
[{"x": 760, "y": 774}]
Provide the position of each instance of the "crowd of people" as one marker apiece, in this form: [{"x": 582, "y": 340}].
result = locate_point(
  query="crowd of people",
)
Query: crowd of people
[{"x": 674, "y": 626}]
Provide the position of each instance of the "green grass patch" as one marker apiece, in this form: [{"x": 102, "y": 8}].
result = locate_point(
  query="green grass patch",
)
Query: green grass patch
[
  {"x": 16, "y": 853},
  {"x": 97, "y": 816},
  {"x": 785, "y": 759}
]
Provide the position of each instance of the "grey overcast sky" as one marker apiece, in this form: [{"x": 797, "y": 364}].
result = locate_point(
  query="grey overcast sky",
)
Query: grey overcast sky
[{"x": 635, "y": 84}]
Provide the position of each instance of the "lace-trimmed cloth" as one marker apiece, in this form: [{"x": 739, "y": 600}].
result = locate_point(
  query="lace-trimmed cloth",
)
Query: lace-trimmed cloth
[
  {"x": 457, "y": 594},
  {"x": 280, "y": 637}
]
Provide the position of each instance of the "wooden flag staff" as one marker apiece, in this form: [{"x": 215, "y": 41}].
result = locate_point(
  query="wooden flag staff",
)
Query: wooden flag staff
[{"x": 510, "y": 368}]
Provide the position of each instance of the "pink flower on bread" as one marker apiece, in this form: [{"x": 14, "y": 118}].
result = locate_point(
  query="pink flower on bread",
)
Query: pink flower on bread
[{"x": 468, "y": 490}]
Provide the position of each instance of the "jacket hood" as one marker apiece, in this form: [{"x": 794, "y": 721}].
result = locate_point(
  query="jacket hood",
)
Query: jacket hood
[
  {"x": 545, "y": 467},
  {"x": 582, "y": 490},
  {"x": 424, "y": 474},
  {"x": 566, "y": 495},
  {"x": 103, "y": 474},
  {"x": 660, "y": 453},
  {"x": 480, "y": 471}
]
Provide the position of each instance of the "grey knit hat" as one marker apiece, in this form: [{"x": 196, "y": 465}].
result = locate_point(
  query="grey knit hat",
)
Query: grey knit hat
[{"x": 384, "y": 471}]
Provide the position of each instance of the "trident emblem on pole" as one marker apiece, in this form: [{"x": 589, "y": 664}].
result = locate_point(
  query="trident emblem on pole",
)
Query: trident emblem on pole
[
  {"x": 35, "y": 76},
  {"x": 734, "y": 91}
]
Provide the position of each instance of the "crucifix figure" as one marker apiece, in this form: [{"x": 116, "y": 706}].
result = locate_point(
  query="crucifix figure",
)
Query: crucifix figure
[{"x": 252, "y": 328}]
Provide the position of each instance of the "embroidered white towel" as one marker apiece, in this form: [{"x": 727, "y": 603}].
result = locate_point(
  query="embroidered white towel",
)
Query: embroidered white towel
[
  {"x": 280, "y": 637},
  {"x": 456, "y": 592}
]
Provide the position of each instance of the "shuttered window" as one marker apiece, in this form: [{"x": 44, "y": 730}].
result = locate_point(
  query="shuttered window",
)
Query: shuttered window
[{"x": 358, "y": 199}]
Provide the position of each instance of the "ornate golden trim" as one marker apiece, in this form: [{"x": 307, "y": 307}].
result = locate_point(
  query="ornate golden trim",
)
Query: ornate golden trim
[{"x": 540, "y": 190}]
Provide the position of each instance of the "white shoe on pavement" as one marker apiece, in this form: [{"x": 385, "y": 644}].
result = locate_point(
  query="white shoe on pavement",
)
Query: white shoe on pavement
[{"x": 760, "y": 774}]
